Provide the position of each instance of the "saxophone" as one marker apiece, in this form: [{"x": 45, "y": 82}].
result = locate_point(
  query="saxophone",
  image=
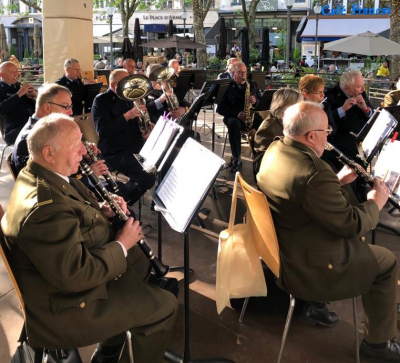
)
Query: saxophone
[
  {"x": 248, "y": 108},
  {"x": 135, "y": 88}
]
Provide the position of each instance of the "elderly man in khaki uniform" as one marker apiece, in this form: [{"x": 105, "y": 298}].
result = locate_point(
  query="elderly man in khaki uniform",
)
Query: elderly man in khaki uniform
[
  {"x": 324, "y": 256},
  {"x": 81, "y": 283}
]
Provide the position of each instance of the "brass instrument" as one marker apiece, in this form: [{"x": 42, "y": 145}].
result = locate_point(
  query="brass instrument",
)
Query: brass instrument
[
  {"x": 135, "y": 88},
  {"x": 32, "y": 94},
  {"x": 166, "y": 78},
  {"x": 248, "y": 107}
]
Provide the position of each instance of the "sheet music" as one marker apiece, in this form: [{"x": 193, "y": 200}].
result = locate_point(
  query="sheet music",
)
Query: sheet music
[
  {"x": 379, "y": 131},
  {"x": 387, "y": 166},
  {"x": 159, "y": 141},
  {"x": 185, "y": 183}
]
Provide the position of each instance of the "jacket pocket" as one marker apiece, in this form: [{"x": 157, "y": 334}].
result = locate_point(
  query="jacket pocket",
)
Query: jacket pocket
[
  {"x": 326, "y": 258},
  {"x": 64, "y": 300}
]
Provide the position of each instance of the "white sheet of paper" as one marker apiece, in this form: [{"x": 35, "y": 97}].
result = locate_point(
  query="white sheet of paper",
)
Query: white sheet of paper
[{"x": 186, "y": 181}]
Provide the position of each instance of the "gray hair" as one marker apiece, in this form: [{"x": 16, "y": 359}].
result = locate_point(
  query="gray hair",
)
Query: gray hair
[
  {"x": 152, "y": 67},
  {"x": 348, "y": 78},
  {"x": 47, "y": 131},
  {"x": 282, "y": 99},
  {"x": 47, "y": 92},
  {"x": 300, "y": 118},
  {"x": 68, "y": 62},
  {"x": 114, "y": 74}
]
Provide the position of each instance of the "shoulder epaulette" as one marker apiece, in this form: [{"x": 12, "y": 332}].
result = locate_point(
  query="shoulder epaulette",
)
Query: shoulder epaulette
[{"x": 43, "y": 192}]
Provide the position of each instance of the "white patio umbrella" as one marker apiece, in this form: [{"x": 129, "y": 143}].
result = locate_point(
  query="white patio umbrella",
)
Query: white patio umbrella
[
  {"x": 37, "y": 41},
  {"x": 4, "y": 53},
  {"x": 366, "y": 44}
]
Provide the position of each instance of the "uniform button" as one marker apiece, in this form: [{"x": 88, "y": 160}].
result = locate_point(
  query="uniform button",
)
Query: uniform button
[
  {"x": 117, "y": 277},
  {"x": 330, "y": 266},
  {"x": 64, "y": 187},
  {"x": 82, "y": 305},
  {"x": 362, "y": 239},
  {"x": 96, "y": 215}
]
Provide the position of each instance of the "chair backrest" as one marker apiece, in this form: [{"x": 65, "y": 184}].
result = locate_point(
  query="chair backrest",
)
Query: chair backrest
[
  {"x": 102, "y": 79},
  {"x": 259, "y": 216},
  {"x": 8, "y": 267},
  {"x": 10, "y": 167},
  {"x": 86, "y": 124},
  {"x": 87, "y": 74}
]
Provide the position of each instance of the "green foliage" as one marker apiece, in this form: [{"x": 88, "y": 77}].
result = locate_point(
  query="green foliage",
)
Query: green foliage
[
  {"x": 12, "y": 49},
  {"x": 96, "y": 56},
  {"x": 296, "y": 55},
  {"x": 254, "y": 56},
  {"x": 215, "y": 63},
  {"x": 26, "y": 53}
]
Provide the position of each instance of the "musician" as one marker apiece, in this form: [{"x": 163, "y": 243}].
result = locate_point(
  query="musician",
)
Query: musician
[
  {"x": 81, "y": 283},
  {"x": 232, "y": 108},
  {"x": 17, "y": 102},
  {"x": 322, "y": 249},
  {"x": 272, "y": 125},
  {"x": 174, "y": 64},
  {"x": 312, "y": 88},
  {"x": 52, "y": 98},
  {"x": 156, "y": 100},
  {"x": 393, "y": 97},
  {"x": 74, "y": 82},
  {"x": 116, "y": 122},
  {"x": 129, "y": 65},
  {"x": 120, "y": 62},
  {"x": 230, "y": 64},
  {"x": 351, "y": 109},
  {"x": 140, "y": 68}
]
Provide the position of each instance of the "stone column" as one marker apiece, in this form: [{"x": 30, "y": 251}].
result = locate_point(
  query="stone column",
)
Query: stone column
[{"x": 67, "y": 33}]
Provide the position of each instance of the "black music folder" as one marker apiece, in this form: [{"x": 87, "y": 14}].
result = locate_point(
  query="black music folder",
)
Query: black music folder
[{"x": 186, "y": 184}]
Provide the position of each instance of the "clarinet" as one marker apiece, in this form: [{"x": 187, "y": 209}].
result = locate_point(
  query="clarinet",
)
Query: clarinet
[
  {"x": 359, "y": 171},
  {"x": 160, "y": 270},
  {"x": 106, "y": 176}
]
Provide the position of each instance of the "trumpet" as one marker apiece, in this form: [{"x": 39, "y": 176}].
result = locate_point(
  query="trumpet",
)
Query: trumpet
[
  {"x": 32, "y": 93},
  {"x": 160, "y": 270},
  {"x": 359, "y": 171}
]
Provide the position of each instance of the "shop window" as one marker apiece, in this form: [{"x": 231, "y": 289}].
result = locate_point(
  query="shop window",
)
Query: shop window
[{"x": 300, "y": 1}]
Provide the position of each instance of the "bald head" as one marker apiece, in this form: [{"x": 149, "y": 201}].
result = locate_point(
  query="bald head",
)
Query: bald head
[
  {"x": 8, "y": 72},
  {"x": 129, "y": 65},
  {"x": 116, "y": 76}
]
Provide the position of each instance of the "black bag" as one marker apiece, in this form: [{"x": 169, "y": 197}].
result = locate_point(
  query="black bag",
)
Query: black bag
[{"x": 26, "y": 354}]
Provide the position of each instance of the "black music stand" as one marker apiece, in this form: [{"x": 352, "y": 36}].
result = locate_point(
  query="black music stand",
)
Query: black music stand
[
  {"x": 182, "y": 224},
  {"x": 215, "y": 90},
  {"x": 395, "y": 112},
  {"x": 183, "y": 82},
  {"x": 82, "y": 97},
  {"x": 265, "y": 102},
  {"x": 259, "y": 79}
]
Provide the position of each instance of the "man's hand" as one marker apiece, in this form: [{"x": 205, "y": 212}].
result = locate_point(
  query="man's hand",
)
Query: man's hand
[
  {"x": 242, "y": 116},
  {"x": 25, "y": 89},
  {"x": 252, "y": 99},
  {"x": 130, "y": 234},
  {"x": 346, "y": 175},
  {"x": 133, "y": 113},
  {"x": 99, "y": 167},
  {"x": 178, "y": 112},
  {"x": 106, "y": 209},
  {"x": 349, "y": 103},
  {"x": 95, "y": 149},
  {"x": 379, "y": 193},
  {"x": 361, "y": 103}
]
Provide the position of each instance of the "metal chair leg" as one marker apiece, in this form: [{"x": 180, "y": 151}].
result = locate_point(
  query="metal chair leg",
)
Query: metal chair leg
[
  {"x": 2, "y": 155},
  {"x": 129, "y": 341},
  {"x": 356, "y": 325},
  {"x": 287, "y": 326},
  {"x": 243, "y": 310}
]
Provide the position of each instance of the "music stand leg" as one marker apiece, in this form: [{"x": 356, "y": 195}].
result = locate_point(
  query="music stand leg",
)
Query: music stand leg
[
  {"x": 159, "y": 236},
  {"x": 390, "y": 229}
]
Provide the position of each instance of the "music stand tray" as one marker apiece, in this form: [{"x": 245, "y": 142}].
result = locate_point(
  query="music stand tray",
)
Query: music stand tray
[{"x": 265, "y": 102}]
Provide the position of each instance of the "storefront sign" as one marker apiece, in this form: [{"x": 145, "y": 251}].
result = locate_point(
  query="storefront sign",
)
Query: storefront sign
[
  {"x": 265, "y": 5},
  {"x": 355, "y": 10},
  {"x": 161, "y": 17}
]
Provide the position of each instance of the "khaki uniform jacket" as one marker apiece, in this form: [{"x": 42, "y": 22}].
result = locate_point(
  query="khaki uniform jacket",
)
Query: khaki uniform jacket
[
  {"x": 319, "y": 232},
  {"x": 77, "y": 285},
  {"x": 391, "y": 99}
]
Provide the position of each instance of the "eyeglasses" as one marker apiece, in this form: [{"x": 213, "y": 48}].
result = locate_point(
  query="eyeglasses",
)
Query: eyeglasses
[
  {"x": 76, "y": 69},
  {"x": 321, "y": 93},
  {"x": 66, "y": 108},
  {"x": 328, "y": 130},
  {"x": 241, "y": 72}
]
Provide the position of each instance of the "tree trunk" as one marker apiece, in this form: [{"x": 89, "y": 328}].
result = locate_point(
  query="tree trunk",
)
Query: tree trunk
[
  {"x": 395, "y": 37},
  {"x": 199, "y": 14},
  {"x": 250, "y": 20}
]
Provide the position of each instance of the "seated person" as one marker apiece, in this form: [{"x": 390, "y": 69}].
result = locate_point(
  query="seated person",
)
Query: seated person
[
  {"x": 272, "y": 126},
  {"x": 232, "y": 108},
  {"x": 320, "y": 231},
  {"x": 231, "y": 62},
  {"x": 156, "y": 100},
  {"x": 81, "y": 283},
  {"x": 17, "y": 102},
  {"x": 117, "y": 124},
  {"x": 130, "y": 66}
]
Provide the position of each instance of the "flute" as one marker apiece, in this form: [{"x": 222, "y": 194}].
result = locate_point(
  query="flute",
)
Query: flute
[
  {"x": 106, "y": 176},
  {"x": 160, "y": 270},
  {"x": 359, "y": 171}
]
